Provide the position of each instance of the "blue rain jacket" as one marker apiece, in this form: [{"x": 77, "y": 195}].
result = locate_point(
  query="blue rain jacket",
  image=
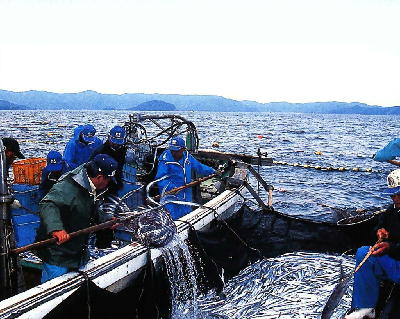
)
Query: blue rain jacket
[
  {"x": 389, "y": 152},
  {"x": 179, "y": 173},
  {"x": 367, "y": 279},
  {"x": 76, "y": 152}
]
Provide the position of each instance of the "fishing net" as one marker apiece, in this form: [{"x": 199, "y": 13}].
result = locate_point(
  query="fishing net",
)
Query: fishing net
[
  {"x": 153, "y": 227},
  {"x": 358, "y": 218}
]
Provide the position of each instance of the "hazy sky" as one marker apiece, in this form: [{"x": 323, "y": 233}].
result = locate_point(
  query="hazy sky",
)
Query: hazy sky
[{"x": 261, "y": 50}]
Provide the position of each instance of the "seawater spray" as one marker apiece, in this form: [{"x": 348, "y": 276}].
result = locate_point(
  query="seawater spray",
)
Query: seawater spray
[{"x": 182, "y": 278}]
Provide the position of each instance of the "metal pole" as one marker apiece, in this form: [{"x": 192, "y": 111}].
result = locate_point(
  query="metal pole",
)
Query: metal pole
[{"x": 6, "y": 289}]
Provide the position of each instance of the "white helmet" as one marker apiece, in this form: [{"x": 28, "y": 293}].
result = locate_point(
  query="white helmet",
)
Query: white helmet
[{"x": 393, "y": 181}]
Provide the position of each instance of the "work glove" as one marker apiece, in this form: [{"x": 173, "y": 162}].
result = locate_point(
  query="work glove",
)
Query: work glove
[
  {"x": 380, "y": 248},
  {"x": 116, "y": 224},
  {"x": 61, "y": 235},
  {"x": 382, "y": 234},
  {"x": 16, "y": 204}
]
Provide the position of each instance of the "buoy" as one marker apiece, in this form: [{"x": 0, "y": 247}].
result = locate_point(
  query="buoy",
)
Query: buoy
[
  {"x": 318, "y": 153},
  {"x": 260, "y": 136}
]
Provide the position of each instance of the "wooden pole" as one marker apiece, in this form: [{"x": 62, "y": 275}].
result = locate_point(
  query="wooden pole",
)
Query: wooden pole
[
  {"x": 178, "y": 189},
  {"x": 53, "y": 240}
]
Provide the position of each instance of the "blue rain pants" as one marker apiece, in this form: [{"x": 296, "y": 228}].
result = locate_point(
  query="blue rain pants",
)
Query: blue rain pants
[
  {"x": 367, "y": 279},
  {"x": 52, "y": 271}
]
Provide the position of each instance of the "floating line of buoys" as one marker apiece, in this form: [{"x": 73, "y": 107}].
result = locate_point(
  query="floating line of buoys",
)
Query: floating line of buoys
[{"x": 341, "y": 169}]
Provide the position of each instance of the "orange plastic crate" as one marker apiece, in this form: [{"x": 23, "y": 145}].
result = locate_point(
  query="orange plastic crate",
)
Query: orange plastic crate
[{"x": 28, "y": 171}]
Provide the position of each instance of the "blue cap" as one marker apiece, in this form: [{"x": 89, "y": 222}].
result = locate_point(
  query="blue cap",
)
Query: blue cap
[
  {"x": 106, "y": 165},
  {"x": 54, "y": 161},
  {"x": 88, "y": 132},
  {"x": 117, "y": 135},
  {"x": 393, "y": 181},
  {"x": 177, "y": 143}
]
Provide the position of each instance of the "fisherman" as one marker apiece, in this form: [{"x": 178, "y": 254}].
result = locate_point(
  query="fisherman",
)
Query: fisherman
[
  {"x": 81, "y": 146},
  {"x": 384, "y": 263},
  {"x": 389, "y": 152},
  {"x": 115, "y": 146},
  {"x": 71, "y": 205},
  {"x": 177, "y": 165},
  {"x": 56, "y": 166},
  {"x": 12, "y": 150}
]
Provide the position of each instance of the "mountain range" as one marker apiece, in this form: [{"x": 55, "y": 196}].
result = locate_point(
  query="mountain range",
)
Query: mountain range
[{"x": 92, "y": 100}]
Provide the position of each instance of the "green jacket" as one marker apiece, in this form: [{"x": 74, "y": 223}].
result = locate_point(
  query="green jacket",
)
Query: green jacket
[{"x": 70, "y": 205}]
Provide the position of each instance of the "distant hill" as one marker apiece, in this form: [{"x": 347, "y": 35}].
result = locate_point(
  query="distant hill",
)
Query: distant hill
[
  {"x": 330, "y": 108},
  {"x": 5, "y": 105},
  {"x": 154, "y": 105},
  {"x": 91, "y": 100}
]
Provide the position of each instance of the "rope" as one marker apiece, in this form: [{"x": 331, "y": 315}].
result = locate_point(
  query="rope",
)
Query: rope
[
  {"x": 328, "y": 168},
  {"x": 89, "y": 309},
  {"x": 217, "y": 217}
]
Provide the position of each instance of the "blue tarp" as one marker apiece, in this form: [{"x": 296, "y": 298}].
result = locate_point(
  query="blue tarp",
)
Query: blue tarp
[{"x": 389, "y": 152}]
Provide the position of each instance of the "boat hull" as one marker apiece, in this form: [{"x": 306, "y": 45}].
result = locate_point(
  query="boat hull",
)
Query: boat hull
[{"x": 115, "y": 271}]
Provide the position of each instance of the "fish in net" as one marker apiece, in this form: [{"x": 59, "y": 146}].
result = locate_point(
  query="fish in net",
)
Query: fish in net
[{"x": 153, "y": 227}]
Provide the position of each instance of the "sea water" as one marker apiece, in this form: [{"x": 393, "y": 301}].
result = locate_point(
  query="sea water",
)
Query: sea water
[
  {"x": 182, "y": 277},
  {"x": 325, "y": 140}
]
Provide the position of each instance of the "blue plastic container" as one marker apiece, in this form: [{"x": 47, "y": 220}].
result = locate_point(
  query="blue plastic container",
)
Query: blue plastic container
[
  {"x": 28, "y": 196},
  {"x": 133, "y": 201},
  {"x": 123, "y": 234},
  {"x": 136, "y": 198},
  {"x": 25, "y": 227},
  {"x": 129, "y": 173}
]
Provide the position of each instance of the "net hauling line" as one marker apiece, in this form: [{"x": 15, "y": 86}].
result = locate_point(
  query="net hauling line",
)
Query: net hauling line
[{"x": 328, "y": 168}]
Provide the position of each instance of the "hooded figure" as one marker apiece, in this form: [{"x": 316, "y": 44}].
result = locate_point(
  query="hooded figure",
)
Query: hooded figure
[
  {"x": 79, "y": 148},
  {"x": 56, "y": 166}
]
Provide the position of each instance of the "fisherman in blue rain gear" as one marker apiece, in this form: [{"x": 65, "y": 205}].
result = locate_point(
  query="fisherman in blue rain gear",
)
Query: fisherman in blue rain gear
[
  {"x": 79, "y": 148},
  {"x": 384, "y": 263},
  {"x": 389, "y": 152},
  {"x": 178, "y": 165},
  {"x": 56, "y": 166}
]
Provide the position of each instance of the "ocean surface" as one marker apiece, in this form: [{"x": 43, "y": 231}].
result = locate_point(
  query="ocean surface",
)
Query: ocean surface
[{"x": 293, "y": 140}]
